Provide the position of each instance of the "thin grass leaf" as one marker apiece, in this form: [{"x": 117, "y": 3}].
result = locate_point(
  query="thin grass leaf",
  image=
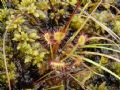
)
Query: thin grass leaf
[
  {"x": 102, "y": 67},
  {"x": 83, "y": 87},
  {"x": 4, "y": 53},
  {"x": 103, "y": 38},
  {"x": 59, "y": 87},
  {"x": 95, "y": 46},
  {"x": 87, "y": 19},
  {"x": 88, "y": 67},
  {"x": 100, "y": 54},
  {"x": 105, "y": 44},
  {"x": 116, "y": 37}
]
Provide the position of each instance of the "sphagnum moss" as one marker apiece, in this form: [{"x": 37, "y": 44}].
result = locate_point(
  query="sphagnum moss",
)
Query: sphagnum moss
[{"x": 83, "y": 30}]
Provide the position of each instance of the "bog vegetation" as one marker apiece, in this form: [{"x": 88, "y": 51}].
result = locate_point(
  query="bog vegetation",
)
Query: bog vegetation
[{"x": 60, "y": 45}]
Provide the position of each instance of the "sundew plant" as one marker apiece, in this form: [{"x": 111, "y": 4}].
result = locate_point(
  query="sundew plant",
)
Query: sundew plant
[{"x": 59, "y": 45}]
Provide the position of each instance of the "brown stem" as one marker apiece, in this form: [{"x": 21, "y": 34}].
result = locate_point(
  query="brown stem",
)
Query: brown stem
[
  {"x": 64, "y": 30},
  {"x": 71, "y": 17}
]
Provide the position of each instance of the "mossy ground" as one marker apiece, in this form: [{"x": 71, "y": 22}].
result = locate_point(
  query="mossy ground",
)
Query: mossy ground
[{"x": 59, "y": 44}]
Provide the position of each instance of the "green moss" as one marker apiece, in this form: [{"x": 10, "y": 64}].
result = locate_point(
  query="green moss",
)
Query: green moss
[{"x": 41, "y": 32}]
